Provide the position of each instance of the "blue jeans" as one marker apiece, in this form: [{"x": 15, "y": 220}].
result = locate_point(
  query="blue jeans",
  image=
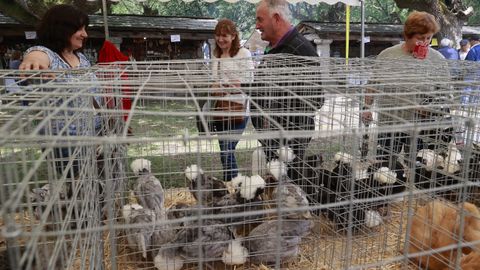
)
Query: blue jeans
[{"x": 227, "y": 147}]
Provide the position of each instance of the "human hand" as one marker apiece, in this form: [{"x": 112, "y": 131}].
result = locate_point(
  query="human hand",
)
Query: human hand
[
  {"x": 32, "y": 65},
  {"x": 35, "y": 60}
]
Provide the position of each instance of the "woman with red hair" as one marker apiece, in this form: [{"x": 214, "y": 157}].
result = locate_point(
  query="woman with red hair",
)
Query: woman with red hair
[
  {"x": 231, "y": 65},
  {"x": 418, "y": 31}
]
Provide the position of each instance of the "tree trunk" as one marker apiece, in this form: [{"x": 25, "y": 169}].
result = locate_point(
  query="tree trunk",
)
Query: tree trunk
[{"x": 451, "y": 15}]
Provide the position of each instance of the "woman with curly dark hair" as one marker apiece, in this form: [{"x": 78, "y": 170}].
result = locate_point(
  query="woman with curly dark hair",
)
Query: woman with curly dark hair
[{"x": 61, "y": 34}]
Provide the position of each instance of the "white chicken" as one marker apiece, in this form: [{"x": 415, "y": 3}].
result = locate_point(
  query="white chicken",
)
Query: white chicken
[
  {"x": 452, "y": 161},
  {"x": 426, "y": 167},
  {"x": 245, "y": 199},
  {"x": 168, "y": 259},
  {"x": 235, "y": 253}
]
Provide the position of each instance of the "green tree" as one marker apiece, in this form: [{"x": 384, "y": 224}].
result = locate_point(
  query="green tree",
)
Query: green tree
[
  {"x": 451, "y": 14},
  {"x": 37, "y": 8},
  {"x": 475, "y": 18}
]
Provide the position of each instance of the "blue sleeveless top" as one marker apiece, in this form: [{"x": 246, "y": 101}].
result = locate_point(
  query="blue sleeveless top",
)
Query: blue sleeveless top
[{"x": 81, "y": 123}]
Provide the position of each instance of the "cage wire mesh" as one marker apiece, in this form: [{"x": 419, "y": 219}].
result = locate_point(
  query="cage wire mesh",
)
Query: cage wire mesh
[{"x": 90, "y": 183}]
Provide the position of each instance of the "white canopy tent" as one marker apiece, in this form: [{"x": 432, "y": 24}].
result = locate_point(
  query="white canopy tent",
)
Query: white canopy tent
[{"x": 312, "y": 2}]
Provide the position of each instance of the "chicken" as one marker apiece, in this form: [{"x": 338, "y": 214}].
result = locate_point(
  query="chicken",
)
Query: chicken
[
  {"x": 335, "y": 186},
  {"x": 209, "y": 188},
  {"x": 453, "y": 160},
  {"x": 245, "y": 199},
  {"x": 291, "y": 196},
  {"x": 139, "y": 238},
  {"x": 311, "y": 175},
  {"x": 181, "y": 210},
  {"x": 312, "y": 166},
  {"x": 168, "y": 259},
  {"x": 235, "y": 253},
  {"x": 427, "y": 168},
  {"x": 437, "y": 225},
  {"x": 42, "y": 196},
  {"x": 178, "y": 210},
  {"x": 474, "y": 168},
  {"x": 439, "y": 169},
  {"x": 384, "y": 179},
  {"x": 278, "y": 169},
  {"x": 349, "y": 167},
  {"x": 250, "y": 188},
  {"x": 451, "y": 174},
  {"x": 208, "y": 239},
  {"x": 362, "y": 214},
  {"x": 286, "y": 154},
  {"x": 470, "y": 262},
  {"x": 274, "y": 237},
  {"x": 148, "y": 189}
]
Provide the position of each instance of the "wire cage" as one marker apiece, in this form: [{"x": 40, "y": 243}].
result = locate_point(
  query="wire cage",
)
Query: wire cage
[{"x": 241, "y": 164}]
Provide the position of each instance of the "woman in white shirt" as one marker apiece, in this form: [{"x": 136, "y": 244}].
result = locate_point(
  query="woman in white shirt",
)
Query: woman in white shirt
[{"x": 231, "y": 66}]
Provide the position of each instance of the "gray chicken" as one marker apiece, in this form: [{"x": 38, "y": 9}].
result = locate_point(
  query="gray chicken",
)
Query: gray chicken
[
  {"x": 149, "y": 190},
  {"x": 148, "y": 237},
  {"x": 181, "y": 210},
  {"x": 42, "y": 196},
  {"x": 274, "y": 237},
  {"x": 178, "y": 210},
  {"x": 208, "y": 240},
  {"x": 230, "y": 204},
  {"x": 290, "y": 196},
  {"x": 209, "y": 188}
]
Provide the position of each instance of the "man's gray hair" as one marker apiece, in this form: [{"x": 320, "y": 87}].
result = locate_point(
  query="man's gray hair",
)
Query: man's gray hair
[{"x": 280, "y": 7}]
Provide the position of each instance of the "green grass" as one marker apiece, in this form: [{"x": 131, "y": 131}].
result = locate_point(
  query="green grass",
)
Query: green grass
[
  {"x": 170, "y": 154},
  {"x": 162, "y": 124}
]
